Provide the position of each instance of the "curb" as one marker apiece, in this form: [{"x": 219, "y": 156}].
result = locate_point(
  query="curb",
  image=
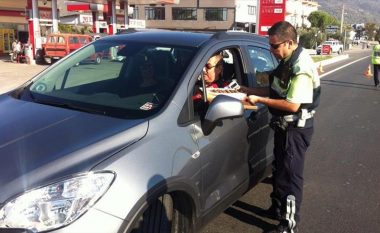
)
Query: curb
[{"x": 333, "y": 60}]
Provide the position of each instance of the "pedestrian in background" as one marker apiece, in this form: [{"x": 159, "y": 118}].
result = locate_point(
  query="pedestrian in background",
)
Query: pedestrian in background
[
  {"x": 376, "y": 63},
  {"x": 14, "y": 52},
  {"x": 293, "y": 93}
]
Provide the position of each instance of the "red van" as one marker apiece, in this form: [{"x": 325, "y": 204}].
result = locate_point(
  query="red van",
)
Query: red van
[{"x": 60, "y": 44}]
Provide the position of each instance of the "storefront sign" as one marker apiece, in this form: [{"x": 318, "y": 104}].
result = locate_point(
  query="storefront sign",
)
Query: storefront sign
[
  {"x": 102, "y": 24},
  {"x": 136, "y": 23},
  {"x": 271, "y": 11},
  {"x": 85, "y": 19}
]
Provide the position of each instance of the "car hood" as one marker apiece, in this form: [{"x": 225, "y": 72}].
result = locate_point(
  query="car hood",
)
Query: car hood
[{"x": 40, "y": 143}]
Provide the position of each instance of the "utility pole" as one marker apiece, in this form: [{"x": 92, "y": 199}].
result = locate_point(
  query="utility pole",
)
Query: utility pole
[{"x": 341, "y": 20}]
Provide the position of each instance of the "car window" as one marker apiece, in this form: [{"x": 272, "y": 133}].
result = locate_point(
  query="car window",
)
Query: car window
[
  {"x": 132, "y": 80},
  {"x": 52, "y": 39},
  {"x": 231, "y": 72},
  {"x": 83, "y": 40},
  {"x": 61, "y": 40},
  {"x": 262, "y": 62},
  {"x": 73, "y": 40}
]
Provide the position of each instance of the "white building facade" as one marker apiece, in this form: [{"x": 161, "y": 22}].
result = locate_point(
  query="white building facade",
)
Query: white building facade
[
  {"x": 246, "y": 15},
  {"x": 297, "y": 12}
]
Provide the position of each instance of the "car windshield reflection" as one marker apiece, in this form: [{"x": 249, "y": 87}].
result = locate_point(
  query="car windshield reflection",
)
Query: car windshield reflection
[{"x": 120, "y": 79}]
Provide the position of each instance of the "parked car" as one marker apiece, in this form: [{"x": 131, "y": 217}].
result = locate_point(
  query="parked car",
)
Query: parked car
[
  {"x": 335, "y": 47},
  {"x": 89, "y": 148},
  {"x": 60, "y": 45}
]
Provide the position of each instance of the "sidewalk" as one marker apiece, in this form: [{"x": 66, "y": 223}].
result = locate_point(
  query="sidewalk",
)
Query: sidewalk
[{"x": 13, "y": 75}]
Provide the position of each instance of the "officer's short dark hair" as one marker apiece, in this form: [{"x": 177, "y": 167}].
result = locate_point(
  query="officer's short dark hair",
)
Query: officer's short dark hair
[{"x": 284, "y": 31}]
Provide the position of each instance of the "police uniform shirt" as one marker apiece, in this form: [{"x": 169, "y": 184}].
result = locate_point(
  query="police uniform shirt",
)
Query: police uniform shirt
[
  {"x": 376, "y": 55},
  {"x": 301, "y": 85}
]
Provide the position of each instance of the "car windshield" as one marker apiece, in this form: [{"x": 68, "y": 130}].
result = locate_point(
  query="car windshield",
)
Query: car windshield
[{"x": 115, "y": 78}]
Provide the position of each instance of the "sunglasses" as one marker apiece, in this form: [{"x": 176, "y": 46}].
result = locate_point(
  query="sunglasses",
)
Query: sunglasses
[
  {"x": 218, "y": 65},
  {"x": 275, "y": 46}
]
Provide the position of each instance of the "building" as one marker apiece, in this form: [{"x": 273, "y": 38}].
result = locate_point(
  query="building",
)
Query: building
[
  {"x": 297, "y": 12},
  {"x": 185, "y": 15},
  {"x": 31, "y": 20},
  {"x": 246, "y": 15}
]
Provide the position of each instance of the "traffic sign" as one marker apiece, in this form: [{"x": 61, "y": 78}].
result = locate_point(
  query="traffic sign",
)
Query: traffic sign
[{"x": 331, "y": 28}]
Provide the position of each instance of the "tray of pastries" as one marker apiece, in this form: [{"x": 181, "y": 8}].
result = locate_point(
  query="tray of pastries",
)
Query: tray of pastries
[{"x": 226, "y": 91}]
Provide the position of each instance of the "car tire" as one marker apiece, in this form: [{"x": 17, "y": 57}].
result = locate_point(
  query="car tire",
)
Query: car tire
[
  {"x": 162, "y": 216},
  {"x": 98, "y": 59}
]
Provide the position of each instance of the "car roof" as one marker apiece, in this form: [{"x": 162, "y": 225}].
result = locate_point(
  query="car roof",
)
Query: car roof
[
  {"x": 68, "y": 34},
  {"x": 185, "y": 38}
]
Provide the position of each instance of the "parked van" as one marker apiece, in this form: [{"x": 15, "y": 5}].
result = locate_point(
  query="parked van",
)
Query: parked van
[{"x": 59, "y": 45}]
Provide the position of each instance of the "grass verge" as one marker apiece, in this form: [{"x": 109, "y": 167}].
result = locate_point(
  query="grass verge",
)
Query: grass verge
[{"x": 319, "y": 58}]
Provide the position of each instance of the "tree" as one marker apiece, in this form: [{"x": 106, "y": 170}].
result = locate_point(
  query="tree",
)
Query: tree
[
  {"x": 371, "y": 30},
  {"x": 321, "y": 19}
]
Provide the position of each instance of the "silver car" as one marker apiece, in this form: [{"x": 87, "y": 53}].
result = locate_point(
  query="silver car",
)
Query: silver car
[{"x": 99, "y": 148}]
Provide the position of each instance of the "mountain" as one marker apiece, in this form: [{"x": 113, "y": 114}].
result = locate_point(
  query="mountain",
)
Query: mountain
[{"x": 357, "y": 11}]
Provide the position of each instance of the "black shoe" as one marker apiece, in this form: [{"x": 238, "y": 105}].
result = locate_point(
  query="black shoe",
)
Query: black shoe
[
  {"x": 273, "y": 212},
  {"x": 281, "y": 228}
]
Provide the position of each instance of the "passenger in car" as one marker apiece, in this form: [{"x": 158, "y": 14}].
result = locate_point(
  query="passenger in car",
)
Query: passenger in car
[{"x": 212, "y": 72}]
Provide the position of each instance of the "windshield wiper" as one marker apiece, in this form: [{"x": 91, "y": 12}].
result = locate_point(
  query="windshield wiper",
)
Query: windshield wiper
[{"x": 70, "y": 106}]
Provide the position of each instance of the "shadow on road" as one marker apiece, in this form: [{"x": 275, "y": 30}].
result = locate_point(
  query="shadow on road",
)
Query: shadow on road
[
  {"x": 251, "y": 215},
  {"x": 349, "y": 84}
]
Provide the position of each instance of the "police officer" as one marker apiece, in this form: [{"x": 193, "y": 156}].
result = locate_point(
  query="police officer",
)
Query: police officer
[
  {"x": 293, "y": 95},
  {"x": 376, "y": 63}
]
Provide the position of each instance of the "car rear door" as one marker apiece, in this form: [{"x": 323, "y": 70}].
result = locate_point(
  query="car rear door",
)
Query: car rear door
[
  {"x": 50, "y": 46},
  {"x": 60, "y": 47},
  {"x": 260, "y": 61}
]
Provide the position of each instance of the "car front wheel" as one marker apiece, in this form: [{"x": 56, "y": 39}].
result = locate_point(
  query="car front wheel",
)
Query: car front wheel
[{"x": 162, "y": 216}]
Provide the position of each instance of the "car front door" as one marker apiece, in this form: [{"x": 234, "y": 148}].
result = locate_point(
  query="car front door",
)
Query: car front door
[{"x": 223, "y": 153}]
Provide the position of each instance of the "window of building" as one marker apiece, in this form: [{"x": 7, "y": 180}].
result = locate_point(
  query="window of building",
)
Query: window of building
[
  {"x": 135, "y": 14},
  {"x": 216, "y": 14},
  {"x": 179, "y": 13},
  {"x": 155, "y": 13},
  {"x": 252, "y": 10}
]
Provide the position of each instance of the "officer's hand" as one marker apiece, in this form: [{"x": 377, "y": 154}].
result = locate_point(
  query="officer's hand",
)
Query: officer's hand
[{"x": 253, "y": 99}]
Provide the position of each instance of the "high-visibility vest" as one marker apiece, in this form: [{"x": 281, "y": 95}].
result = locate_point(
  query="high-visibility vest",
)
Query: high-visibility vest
[{"x": 376, "y": 55}]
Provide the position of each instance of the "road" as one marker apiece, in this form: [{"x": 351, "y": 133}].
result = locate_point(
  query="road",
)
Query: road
[{"x": 342, "y": 175}]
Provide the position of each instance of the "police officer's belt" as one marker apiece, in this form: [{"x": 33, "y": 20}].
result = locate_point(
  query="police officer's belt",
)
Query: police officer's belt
[{"x": 304, "y": 115}]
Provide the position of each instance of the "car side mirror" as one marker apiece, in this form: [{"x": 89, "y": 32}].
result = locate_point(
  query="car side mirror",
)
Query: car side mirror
[{"x": 221, "y": 107}]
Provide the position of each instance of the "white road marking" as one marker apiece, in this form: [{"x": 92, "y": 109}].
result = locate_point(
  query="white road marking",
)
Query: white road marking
[{"x": 332, "y": 71}]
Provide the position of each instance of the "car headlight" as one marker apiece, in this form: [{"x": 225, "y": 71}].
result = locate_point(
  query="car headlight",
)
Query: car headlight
[{"x": 55, "y": 205}]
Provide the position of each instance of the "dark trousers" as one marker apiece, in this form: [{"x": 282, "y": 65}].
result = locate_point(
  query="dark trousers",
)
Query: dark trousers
[
  {"x": 376, "y": 70},
  {"x": 289, "y": 150}
]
